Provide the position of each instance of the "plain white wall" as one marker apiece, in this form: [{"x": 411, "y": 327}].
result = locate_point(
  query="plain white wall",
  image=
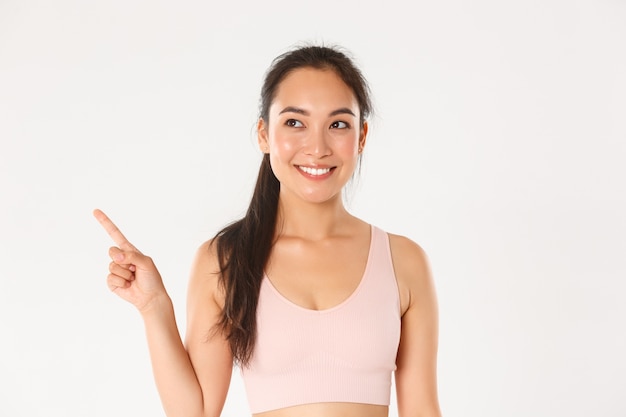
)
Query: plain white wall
[{"x": 499, "y": 145}]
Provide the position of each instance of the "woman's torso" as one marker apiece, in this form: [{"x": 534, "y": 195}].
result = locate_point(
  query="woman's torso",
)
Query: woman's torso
[{"x": 328, "y": 274}]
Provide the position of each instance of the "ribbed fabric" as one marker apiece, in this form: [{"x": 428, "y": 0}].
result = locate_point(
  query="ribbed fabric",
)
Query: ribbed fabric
[{"x": 343, "y": 354}]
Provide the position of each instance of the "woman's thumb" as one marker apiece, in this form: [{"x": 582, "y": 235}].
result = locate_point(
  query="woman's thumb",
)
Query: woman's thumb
[{"x": 129, "y": 258}]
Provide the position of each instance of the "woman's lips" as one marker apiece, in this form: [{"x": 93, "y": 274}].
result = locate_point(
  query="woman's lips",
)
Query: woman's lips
[{"x": 315, "y": 172}]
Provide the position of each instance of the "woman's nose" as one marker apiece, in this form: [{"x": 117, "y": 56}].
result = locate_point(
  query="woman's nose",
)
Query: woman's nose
[{"x": 317, "y": 143}]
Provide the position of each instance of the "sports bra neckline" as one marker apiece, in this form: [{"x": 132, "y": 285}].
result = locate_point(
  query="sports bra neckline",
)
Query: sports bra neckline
[{"x": 341, "y": 304}]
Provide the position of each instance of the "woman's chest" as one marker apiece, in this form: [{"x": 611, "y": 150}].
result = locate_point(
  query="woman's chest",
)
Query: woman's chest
[{"x": 317, "y": 277}]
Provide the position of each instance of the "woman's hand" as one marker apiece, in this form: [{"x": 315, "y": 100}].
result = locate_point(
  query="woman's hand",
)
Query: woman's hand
[{"x": 133, "y": 276}]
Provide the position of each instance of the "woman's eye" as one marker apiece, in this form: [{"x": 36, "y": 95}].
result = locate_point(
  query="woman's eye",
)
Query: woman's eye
[
  {"x": 293, "y": 123},
  {"x": 339, "y": 125}
]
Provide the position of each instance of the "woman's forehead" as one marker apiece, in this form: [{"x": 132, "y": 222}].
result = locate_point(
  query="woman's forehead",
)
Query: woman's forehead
[{"x": 314, "y": 90}]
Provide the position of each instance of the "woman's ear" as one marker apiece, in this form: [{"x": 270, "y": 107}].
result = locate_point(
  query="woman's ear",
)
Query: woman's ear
[
  {"x": 363, "y": 136},
  {"x": 261, "y": 134}
]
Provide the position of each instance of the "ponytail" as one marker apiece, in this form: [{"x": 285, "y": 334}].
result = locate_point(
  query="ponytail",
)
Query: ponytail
[{"x": 243, "y": 249}]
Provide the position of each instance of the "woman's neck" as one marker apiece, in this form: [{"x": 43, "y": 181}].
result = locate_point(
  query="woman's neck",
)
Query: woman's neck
[{"x": 312, "y": 221}]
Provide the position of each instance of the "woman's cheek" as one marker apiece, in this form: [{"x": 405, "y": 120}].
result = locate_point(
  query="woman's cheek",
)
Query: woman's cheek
[{"x": 348, "y": 146}]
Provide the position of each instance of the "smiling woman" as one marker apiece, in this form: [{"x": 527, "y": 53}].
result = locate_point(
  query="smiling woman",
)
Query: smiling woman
[
  {"x": 313, "y": 134},
  {"x": 316, "y": 306}
]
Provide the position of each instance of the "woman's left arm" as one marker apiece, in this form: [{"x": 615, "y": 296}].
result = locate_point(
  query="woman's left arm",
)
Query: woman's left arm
[{"x": 416, "y": 372}]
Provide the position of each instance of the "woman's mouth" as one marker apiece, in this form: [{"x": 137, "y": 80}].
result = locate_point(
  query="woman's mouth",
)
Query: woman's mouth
[{"x": 315, "y": 172}]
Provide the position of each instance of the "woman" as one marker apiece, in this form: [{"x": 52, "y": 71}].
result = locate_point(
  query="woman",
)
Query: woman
[{"x": 316, "y": 306}]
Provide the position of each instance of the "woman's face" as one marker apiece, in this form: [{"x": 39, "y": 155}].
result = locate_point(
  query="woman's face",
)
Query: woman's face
[{"x": 314, "y": 135}]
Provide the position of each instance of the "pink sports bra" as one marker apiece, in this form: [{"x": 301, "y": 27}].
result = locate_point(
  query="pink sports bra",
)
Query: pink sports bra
[{"x": 346, "y": 353}]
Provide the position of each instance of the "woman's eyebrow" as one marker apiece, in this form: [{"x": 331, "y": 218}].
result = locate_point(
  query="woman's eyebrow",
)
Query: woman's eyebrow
[
  {"x": 343, "y": 110},
  {"x": 292, "y": 109}
]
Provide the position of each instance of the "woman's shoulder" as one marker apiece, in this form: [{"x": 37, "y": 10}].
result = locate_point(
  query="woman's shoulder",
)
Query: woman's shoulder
[
  {"x": 406, "y": 250},
  {"x": 206, "y": 257},
  {"x": 205, "y": 272},
  {"x": 411, "y": 267},
  {"x": 406, "y": 253}
]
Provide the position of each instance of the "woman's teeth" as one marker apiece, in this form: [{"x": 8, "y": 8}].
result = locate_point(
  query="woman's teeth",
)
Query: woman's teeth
[{"x": 315, "y": 171}]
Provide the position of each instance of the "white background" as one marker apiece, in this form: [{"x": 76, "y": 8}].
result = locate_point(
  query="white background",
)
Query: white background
[{"x": 499, "y": 145}]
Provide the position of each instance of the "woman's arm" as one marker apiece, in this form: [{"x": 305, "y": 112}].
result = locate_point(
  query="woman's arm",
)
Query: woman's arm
[
  {"x": 209, "y": 351},
  {"x": 190, "y": 384},
  {"x": 192, "y": 381},
  {"x": 416, "y": 373}
]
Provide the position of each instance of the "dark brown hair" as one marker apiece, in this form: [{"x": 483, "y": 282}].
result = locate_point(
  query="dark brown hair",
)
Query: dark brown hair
[{"x": 243, "y": 247}]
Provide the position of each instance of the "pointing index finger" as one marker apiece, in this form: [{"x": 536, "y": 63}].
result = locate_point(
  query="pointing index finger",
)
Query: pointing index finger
[{"x": 113, "y": 231}]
